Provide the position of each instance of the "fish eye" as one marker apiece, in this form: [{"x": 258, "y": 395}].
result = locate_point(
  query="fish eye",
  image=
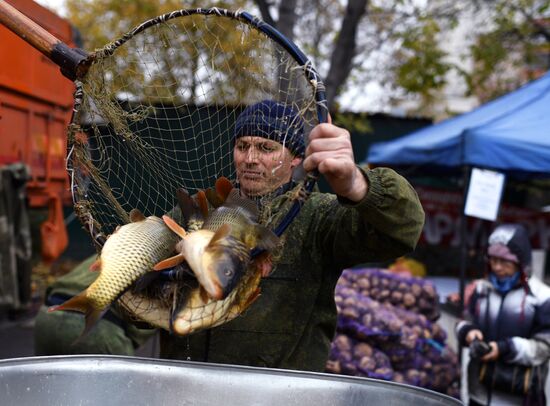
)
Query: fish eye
[{"x": 228, "y": 272}]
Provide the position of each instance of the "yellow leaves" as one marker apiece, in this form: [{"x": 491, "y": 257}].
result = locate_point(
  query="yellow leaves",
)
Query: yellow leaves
[
  {"x": 101, "y": 21},
  {"x": 193, "y": 58}
]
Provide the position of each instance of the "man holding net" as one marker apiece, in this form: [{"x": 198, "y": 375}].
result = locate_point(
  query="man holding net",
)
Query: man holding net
[{"x": 373, "y": 216}]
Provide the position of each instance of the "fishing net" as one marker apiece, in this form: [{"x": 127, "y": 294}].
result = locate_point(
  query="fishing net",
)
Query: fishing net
[{"x": 157, "y": 108}]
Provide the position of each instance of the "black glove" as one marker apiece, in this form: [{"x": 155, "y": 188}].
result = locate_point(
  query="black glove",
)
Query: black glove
[{"x": 479, "y": 348}]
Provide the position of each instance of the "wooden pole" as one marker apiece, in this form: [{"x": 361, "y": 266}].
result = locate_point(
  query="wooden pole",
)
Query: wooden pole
[{"x": 70, "y": 60}]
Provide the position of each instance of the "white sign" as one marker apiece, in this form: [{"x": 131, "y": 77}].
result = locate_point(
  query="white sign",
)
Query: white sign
[{"x": 484, "y": 194}]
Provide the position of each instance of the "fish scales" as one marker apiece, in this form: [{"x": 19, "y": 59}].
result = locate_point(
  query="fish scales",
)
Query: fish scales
[
  {"x": 219, "y": 252},
  {"x": 224, "y": 215},
  {"x": 128, "y": 254}
]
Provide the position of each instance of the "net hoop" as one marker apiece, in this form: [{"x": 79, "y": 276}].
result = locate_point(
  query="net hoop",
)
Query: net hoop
[{"x": 80, "y": 200}]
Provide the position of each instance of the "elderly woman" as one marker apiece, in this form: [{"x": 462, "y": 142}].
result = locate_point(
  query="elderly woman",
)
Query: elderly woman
[{"x": 507, "y": 326}]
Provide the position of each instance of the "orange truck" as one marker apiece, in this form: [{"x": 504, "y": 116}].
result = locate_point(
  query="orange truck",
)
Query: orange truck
[{"x": 35, "y": 108}]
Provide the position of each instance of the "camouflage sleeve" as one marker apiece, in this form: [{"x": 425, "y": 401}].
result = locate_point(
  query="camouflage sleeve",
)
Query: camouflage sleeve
[
  {"x": 384, "y": 225},
  {"x": 74, "y": 281}
]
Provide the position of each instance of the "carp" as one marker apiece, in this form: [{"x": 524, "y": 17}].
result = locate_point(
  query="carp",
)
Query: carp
[
  {"x": 195, "y": 312},
  {"x": 220, "y": 251},
  {"x": 130, "y": 252}
]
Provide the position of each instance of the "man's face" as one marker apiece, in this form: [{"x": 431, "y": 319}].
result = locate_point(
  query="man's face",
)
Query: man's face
[{"x": 262, "y": 165}]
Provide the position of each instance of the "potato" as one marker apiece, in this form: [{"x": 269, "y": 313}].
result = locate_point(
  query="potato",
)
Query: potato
[
  {"x": 362, "y": 350},
  {"x": 409, "y": 300}
]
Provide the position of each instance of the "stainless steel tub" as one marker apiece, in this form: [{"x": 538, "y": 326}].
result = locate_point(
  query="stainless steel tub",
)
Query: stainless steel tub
[{"x": 113, "y": 380}]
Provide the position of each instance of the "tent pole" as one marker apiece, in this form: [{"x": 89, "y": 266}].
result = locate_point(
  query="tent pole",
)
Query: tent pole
[
  {"x": 463, "y": 261},
  {"x": 463, "y": 236}
]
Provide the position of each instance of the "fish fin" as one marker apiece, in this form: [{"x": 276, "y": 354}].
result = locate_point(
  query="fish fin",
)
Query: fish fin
[
  {"x": 96, "y": 265},
  {"x": 261, "y": 237},
  {"x": 202, "y": 202},
  {"x": 169, "y": 262},
  {"x": 267, "y": 239},
  {"x": 90, "y": 322},
  {"x": 222, "y": 232},
  {"x": 204, "y": 295},
  {"x": 136, "y": 216},
  {"x": 264, "y": 263},
  {"x": 175, "y": 227},
  {"x": 80, "y": 303},
  {"x": 213, "y": 198},
  {"x": 181, "y": 298},
  {"x": 223, "y": 188},
  {"x": 188, "y": 206}
]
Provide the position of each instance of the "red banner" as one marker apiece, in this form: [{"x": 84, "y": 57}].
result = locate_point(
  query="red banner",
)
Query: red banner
[{"x": 442, "y": 226}]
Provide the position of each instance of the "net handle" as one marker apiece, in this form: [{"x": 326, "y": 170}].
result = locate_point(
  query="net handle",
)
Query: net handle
[{"x": 70, "y": 60}]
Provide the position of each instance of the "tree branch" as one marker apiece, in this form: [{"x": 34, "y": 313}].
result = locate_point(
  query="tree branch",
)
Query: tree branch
[
  {"x": 263, "y": 5},
  {"x": 538, "y": 26},
  {"x": 287, "y": 18},
  {"x": 344, "y": 49}
]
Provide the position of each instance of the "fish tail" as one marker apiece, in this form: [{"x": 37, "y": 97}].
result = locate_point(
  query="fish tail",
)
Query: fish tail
[
  {"x": 251, "y": 299},
  {"x": 181, "y": 299},
  {"x": 80, "y": 303},
  {"x": 91, "y": 320}
]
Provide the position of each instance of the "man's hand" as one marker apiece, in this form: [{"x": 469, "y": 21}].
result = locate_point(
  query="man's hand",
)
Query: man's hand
[{"x": 329, "y": 150}]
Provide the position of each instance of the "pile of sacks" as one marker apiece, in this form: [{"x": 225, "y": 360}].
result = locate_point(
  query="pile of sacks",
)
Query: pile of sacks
[{"x": 387, "y": 330}]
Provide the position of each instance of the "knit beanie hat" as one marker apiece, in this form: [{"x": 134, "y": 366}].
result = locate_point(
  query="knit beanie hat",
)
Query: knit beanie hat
[
  {"x": 511, "y": 242},
  {"x": 274, "y": 121}
]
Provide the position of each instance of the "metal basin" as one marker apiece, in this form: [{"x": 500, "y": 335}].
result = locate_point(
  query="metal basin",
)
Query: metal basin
[{"x": 114, "y": 380}]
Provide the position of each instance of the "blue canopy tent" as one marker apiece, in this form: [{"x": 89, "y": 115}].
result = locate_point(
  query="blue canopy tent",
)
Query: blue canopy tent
[{"x": 511, "y": 134}]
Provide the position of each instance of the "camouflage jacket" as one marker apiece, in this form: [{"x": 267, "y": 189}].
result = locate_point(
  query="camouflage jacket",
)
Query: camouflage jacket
[{"x": 293, "y": 321}]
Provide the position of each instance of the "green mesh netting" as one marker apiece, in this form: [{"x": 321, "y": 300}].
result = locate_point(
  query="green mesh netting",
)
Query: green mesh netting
[{"x": 158, "y": 111}]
